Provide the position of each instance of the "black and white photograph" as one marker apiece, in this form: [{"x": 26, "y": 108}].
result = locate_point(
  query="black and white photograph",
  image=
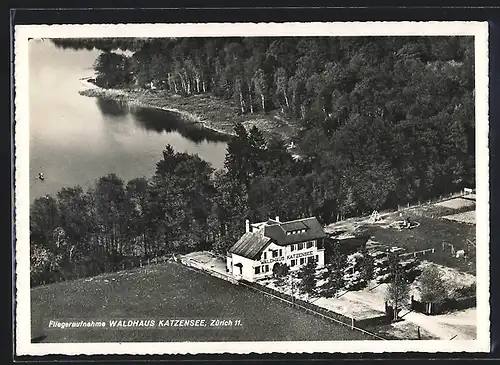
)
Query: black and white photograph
[{"x": 237, "y": 188}]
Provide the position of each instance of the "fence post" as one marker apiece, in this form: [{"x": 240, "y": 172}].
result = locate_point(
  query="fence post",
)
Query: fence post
[{"x": 352, "y": 323}]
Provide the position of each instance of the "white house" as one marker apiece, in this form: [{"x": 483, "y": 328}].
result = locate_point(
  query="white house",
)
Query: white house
[{"x": 264, "y": 244}]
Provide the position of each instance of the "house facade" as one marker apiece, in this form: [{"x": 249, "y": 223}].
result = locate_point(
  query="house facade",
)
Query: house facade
[{"x": 265, "y": 244}]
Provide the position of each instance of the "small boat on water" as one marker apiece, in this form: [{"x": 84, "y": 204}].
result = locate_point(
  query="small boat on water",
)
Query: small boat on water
[{"x": 41, "y": 176}]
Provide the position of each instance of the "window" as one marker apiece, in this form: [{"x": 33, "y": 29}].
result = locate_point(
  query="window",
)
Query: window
[
  {"x": 302, "y": 260},
  {"x": 265, "y": 255},
  {"x": 293, "y": 262},
  {"x": 281, "y": 252},
  {"x": 309, "y": 244},
  {"x": 266, "y": 268},
  {"x": 300, "y": 246},
  {"x": 317, "y": 258},
  {"x": 275, "y": 253},
  {"x": 313, "y": 243},
  {"x": 257, "y": 270},
  {"x": 292, "y": 247}
]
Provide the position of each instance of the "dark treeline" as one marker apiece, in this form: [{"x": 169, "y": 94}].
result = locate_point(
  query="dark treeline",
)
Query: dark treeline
[
  {"x": 185, "y": 205},
  {"x": 381, "y": 122},
  {"x": 103, "y": 44},
  {"x": 394, "y": 116}
]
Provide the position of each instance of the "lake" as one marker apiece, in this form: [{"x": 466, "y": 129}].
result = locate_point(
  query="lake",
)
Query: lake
[{"x": 75, "y": 139}]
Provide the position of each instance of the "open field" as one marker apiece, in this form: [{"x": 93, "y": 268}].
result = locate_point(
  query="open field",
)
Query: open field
[
  {"x": 433, "y": 231},
  {"x": 173, "y": 291},
  {"x": 464, "y": 217},
  {"x": 457, "y": 203}
]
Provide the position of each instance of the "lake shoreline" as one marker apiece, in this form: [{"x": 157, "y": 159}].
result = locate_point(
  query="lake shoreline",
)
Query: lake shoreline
[
  {"x": 140, "y": 99},
  {"x": 210, "y": 112}
]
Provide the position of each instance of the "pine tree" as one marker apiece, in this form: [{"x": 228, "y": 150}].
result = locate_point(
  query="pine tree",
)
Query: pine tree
[
  {"x": 398, "y": 289},
  {"x": 307, "y": 274}
]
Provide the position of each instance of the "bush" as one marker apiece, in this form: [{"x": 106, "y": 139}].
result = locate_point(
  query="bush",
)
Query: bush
[{"x": 432, "y": 286}]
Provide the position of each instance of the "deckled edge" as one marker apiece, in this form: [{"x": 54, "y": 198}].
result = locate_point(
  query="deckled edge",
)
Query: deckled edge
[{"x": 21, "y": 135}]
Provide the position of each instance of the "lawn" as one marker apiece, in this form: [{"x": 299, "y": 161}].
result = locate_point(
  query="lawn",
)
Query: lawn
[
  {"x": 432, "y": 232},
  {"x": 167, "y": 291}
]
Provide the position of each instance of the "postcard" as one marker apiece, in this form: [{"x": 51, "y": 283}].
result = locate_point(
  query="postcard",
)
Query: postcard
[{"x": 251, "y": 188}]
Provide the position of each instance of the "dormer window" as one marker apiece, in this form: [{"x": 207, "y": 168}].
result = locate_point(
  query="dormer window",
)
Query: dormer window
[{"x": 297, "y": 231}]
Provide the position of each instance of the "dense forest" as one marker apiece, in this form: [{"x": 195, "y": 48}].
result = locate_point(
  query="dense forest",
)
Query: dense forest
[{"x": 381, "y": 121}]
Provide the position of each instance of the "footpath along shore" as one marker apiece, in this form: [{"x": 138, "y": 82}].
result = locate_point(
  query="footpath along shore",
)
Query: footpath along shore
[{"x": 211, "y": 112}]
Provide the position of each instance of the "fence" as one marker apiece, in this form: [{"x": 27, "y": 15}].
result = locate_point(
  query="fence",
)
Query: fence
[
  {"x": 194, "y": 264},
  {"x": 418, "y": 253},
  {"x": 448, "y": 304},
  {"x": 319, "y": 311},
  {"x": 409, "y": 205}
]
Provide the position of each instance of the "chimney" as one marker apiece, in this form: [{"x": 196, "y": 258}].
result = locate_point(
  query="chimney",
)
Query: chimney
[
  {"x": 277, "y": 218},
  {"x": 247, "y": 226}
]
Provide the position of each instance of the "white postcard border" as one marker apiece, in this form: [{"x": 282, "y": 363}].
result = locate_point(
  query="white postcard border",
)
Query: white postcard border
[{"x": 22, "y": 32}]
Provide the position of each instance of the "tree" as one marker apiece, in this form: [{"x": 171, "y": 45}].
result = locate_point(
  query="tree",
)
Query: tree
[
  {"x": 43, "y": 220},
  {"x": 256, "y": 151},
  {"x": 366, "y": 265},
  {"x": 136, "y": 193},
  {"x": 398, "y": 289},
  {"x": 280, "y": 270},
  {"x": 112, "y": 69},
  {"x": 238, "y": 150},
  {"x": 110, "y": 199},
  {"x": 260, "y": 84},
  {"x": 335, "y": 271},
  {"x": 307, "y": 274},
  {"x": 432, "y": 285},
  {"x": 180, "y": 201},
  {"x": 41, "y": 264},
  {"x": 231, "y": 208},
  {"x": 281, "y": 86}
]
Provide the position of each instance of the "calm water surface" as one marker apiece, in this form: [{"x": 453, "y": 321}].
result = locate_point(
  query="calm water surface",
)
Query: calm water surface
[{"x": 74, "y": 139}]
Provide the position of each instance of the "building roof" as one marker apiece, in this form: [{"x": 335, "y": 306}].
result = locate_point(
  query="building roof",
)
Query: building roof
[
  {"x": 250, "y": 245},
  {"x": 300, "y": 230}
]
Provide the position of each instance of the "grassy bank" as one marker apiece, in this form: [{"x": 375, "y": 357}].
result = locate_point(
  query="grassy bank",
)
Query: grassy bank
[
  {"x": 173, "y": 291},
  {"x": 213, "y": 112},
  {"x": 433, "y": 232}
]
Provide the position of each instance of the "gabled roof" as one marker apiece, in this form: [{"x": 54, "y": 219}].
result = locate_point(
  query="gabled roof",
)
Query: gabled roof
[
  {"x": 308, "y": 229},
  {"x": 250, "y": 245}
]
